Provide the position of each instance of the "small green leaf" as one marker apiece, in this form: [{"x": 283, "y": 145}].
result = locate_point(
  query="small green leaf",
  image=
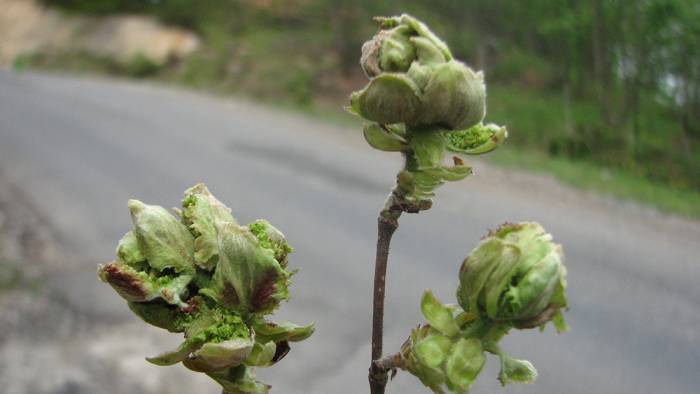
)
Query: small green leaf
[
  {"x": 477, "y": 139},
  {"x": 221, "y": 355},
  {"x": 205, "y": 216},
  {"x": 427, "y": 52},
  {"x": 559, "y": 323},
  {"x": 455, "y": 97},
  {"x": 129, "y": 250},
  {"x": 398, "y": 130},
  {"x": 465, "y": 362},
  {"x": 181, "y": 353},
  {"x": 396, "y": 53},
  {"x": 262, "y": 354},
  {"x": 500, "y": 278},
  {"x": 164, "y": 240},
  {"x": 430, "y": 377},
  {"x": 423, "y": 31},
  {"x": 419, "y": 74},
  {"x": 433, "y": 350},
  {"x": 247, "y": 277},
  {"x": 388, "y": 98},
  {"x": 475, "y": 271},
  {"x": 142, "y": 286},
  {"x": 465, "y": 318},
  {"x": 281, "y": 331},
  {"x": 269, "y": 237},
  {"x": 451, "y": 174},
  {"x": 424, "y": 185},
  {"x": 514, "y": 370},
  {"x": 533, "y": 292},
  {"x": 380, "y": 139},
  {"x": 438, "y": 315}
]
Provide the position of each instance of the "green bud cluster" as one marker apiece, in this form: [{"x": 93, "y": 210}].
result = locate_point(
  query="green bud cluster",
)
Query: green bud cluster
[
  {"x": 206, "y": 276},
  {"x": 515, "y": 278},
  {"x": 422, "y": 102}
]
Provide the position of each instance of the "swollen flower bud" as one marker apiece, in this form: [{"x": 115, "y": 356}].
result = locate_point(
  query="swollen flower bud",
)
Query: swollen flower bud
[
  {"x": 414, "y": 80},
  {"x": 212, "y": 279},
  {"x": 516, "y": 275},
  {"x": 422, "y": 103}
]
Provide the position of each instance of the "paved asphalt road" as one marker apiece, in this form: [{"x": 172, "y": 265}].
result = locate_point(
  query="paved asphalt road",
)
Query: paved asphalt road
[{"x": 79, "y": 148}]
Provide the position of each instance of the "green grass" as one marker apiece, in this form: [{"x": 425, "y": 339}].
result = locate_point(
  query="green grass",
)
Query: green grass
[{"x": 590, "y": 176}]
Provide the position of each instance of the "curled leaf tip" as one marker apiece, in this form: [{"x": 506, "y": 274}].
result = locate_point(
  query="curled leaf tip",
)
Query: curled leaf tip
[{"x": 135, "y": 205}]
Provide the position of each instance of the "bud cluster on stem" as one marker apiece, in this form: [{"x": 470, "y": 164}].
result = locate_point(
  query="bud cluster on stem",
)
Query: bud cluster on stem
[
  {"x": 213, "y": 280},
  {"x": 422, "y": 102}
]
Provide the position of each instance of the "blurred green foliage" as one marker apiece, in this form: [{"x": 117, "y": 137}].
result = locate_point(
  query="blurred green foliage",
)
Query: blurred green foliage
[
  {"x": 612, "y": 83},
  {"x": 138, "y": 66}
]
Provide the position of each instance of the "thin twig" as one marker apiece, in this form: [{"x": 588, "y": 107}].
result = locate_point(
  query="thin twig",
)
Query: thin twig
[{"x": 387, "y": 223}]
